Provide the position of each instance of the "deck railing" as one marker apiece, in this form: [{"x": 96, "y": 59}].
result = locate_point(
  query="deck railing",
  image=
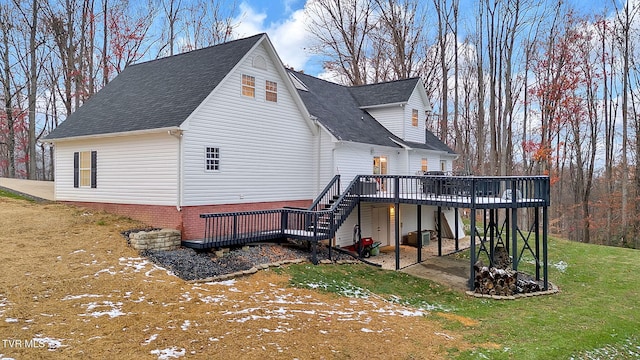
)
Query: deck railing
[
  {"x": 327, "y": 196},
  {"x": 331, "y": 209},
  {"x": 462, "y": 191}
]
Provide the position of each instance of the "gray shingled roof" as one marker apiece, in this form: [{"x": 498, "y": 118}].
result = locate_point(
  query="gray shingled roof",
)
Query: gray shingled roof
[
  {"x": 338, "y": 108},
  {"x": 392, "y": 92},
  {"x": 155, "y": 94},
  {"x": 339, "y": 112}
]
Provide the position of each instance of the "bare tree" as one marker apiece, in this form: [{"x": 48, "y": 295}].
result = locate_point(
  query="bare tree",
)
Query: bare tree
[
  {"x": 400, "y": 36},
  {"x": 625, "y": 18},
  {"x": 208, "y": 23},
  {"x": 8, "y": 92},
  {"x": 171, "y": 10},
  {"x": 342, "y": 30}
]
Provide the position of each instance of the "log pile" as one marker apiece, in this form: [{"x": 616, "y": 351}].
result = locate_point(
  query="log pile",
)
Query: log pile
[
  {"x": 501, "y": 258},
  {"x": 502, "y": 282}
]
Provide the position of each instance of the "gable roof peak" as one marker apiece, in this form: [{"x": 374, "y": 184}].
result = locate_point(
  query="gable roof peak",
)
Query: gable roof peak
[{"x": 156, "y": 94}]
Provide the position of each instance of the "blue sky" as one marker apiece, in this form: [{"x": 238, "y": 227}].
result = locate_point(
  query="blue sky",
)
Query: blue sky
[{"x": 285, "y": 22}]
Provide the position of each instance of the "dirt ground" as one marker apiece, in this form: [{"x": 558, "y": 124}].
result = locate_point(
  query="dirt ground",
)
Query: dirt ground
[{"x": 71, "y": 288}]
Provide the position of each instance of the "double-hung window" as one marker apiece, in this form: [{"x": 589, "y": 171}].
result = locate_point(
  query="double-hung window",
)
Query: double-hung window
[
  {"x": 85, "y": 169},
  {"x": 248, "y": 86},
  {"x": 212, "y": 159},
  {"x": 414, "y": 118},
  {"x": 271, "y": 88}
]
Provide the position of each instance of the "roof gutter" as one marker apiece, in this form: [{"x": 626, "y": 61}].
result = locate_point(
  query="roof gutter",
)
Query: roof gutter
[
  {"x": 402, "y": 103},
  {"x": 109, "y": 135}
]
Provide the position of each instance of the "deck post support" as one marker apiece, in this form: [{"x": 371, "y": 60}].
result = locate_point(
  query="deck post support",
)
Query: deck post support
[
  {"x": 457, "y": 225},
  {"x": 506, "y": 230},
  {"x": 439, "y": 230},
  {"x": 492, "y": 233},
  {"x": 514, "y": 228},
  {"x": 419, "y": 221},
  {"x": 537, "y": 235},
  {"x": 472, "y": 252},
  {"x": 396, "y": 206},
  {"x": 545, "y": 227}
]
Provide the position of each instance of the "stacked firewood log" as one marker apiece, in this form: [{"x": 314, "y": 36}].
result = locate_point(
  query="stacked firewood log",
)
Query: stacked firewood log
[{"x": 503, "y": 282}]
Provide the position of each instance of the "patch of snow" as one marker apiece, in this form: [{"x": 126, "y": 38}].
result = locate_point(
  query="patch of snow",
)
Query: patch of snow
[
  {"x": 114, "y": 309},
  {"x": 138, "y": 264},
  {"x": 223, "y": 283},
  {"x": 629, "y": 349},
  {"x": 404, "y": 312},
  {"x": 185, "y": 325},
  {"x": 108, "y": 271},
  {"x": 150, "y": 339},
  {"x": 5, "y": 358},
  {"x": 51, "y": 343},
  {"x": 77, "y": 251},
  {"x": 561, "y": 266},
  {"x": 186, "y": 296},
  {"x": 75, "y": 297},
  {"x": 11, "y": 320},
  {"x": 212, "y": 299},
  {"x": 168, "y": 353},
  {"x": 365, "y": 330},
  {"x": 446, "y": 336}
]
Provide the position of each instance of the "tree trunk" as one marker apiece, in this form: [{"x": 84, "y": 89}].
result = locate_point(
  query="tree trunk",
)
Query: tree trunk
[{"x": 33, "y": 88}]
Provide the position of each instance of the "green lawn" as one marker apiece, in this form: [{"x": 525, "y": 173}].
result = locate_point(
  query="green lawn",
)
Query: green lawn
[
  {"x": 595, "y": 316},
  {"x": 8, "y": 194}
]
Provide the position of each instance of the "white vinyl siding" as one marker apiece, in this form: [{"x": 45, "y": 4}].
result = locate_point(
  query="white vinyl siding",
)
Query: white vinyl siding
[
  {"x": 391, "y": 118},
  {"x": 324, "y": 157},
  {"x": 415, "y": 163},
  {"x": 357, "y": 159},
  {"x": 414, "y": 133},
  {"x": 137, "y": 169},
  {"x": 268, "y": 151}
]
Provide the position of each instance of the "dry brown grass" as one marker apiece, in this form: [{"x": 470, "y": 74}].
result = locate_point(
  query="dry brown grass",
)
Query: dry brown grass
[{"x": 69, "y": 281}]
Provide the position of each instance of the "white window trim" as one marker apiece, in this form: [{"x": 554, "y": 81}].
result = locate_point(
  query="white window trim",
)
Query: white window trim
[{"x": 242, "y": 86}]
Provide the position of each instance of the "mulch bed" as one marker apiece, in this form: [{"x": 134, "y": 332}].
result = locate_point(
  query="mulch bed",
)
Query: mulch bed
[{"x": 189, "y": 264}]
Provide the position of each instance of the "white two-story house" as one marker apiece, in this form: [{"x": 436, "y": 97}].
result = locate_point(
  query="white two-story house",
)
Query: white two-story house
[{"x": 229, "y": 128}]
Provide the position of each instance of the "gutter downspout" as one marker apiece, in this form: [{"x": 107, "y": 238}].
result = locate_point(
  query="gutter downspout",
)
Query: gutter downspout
[{"x": 178, "y": 135}]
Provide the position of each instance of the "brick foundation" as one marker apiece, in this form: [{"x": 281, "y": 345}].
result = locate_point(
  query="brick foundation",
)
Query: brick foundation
[{"x": 187, "y": 220}]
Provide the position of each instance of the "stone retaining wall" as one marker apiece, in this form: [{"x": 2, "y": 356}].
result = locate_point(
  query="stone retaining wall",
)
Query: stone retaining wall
[{"x": 165, "y": 239}]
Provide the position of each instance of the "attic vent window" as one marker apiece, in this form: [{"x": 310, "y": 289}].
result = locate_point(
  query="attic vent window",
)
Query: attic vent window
[
  {"x": 259, "y": 63},
  {"x": 248, "y": 86}
]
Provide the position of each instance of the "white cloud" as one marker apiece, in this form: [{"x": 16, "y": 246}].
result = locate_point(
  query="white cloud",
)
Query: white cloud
[{"x": 289, "y": 36}]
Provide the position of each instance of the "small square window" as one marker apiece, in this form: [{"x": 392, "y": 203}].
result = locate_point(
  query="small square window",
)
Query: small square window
[
  {"x": 414, "y": 118},
  {"x": 212, "y": 159},
  {"x": 272, "y": 91},
  {"x": 248, "y": 86}
]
